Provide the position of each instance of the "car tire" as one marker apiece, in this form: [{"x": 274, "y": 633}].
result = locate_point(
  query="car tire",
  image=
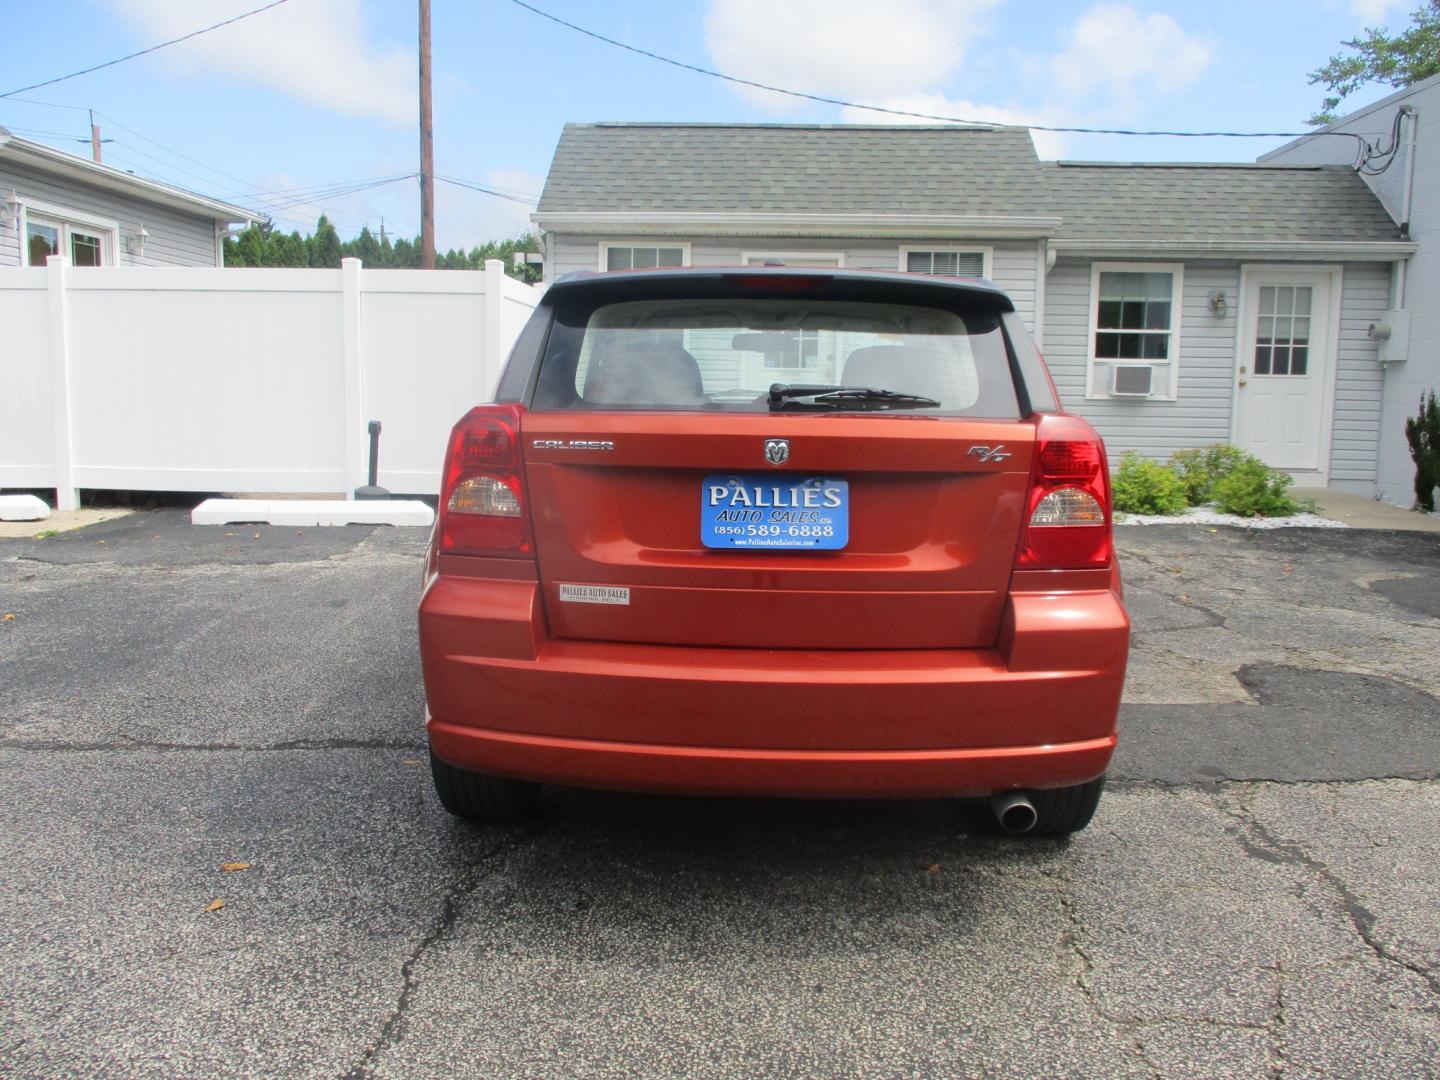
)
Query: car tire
[
  {"x": 1061, "y": 811},
  {"x": 481, "y": 796}
]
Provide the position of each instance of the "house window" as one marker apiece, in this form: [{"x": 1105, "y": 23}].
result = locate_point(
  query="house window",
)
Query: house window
[
  {"x": 642, "y": 257},
  {"x": 1134, "y": 320},
  {"x": 1282, "y": 330},
  {"x": 946, "y": 262},
  {"x": 82, "y": 244}
]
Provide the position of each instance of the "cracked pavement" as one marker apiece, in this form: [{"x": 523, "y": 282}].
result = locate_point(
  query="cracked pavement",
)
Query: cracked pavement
[{"x": 1258, "y": 894}]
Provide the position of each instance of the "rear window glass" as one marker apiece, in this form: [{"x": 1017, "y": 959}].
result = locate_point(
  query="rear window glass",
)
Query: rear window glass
[{"x": 724, "y": 353}]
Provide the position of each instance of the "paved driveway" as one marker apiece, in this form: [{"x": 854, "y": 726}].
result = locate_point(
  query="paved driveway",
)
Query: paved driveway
[{"x": 1260, "y": 892}]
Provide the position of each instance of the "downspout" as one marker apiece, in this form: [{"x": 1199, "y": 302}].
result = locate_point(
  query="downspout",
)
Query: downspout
[
  {"x": 1411, "y": 112},
  {"x": 1397, "y": 286},
  {"x": 1041, "y": 269}
]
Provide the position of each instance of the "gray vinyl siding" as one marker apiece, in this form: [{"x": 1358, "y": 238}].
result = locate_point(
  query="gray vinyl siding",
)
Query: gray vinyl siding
[
  {"x": 175, "y": 237},
  {"x": 1013, "y": 262},
  {"x": 1200, "y": 415},
  {"x": 1403, "y": 383},
  {"x": 1355, "y": 435}
]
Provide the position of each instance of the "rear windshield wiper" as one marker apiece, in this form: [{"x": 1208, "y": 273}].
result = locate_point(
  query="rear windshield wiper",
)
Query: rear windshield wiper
[{"x": 783, "y": 396}]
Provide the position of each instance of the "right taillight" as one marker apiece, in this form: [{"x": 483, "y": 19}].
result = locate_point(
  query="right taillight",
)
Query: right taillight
[
  {"x": 1067, "y": 510},
  {"x": 482, "y": 501}
]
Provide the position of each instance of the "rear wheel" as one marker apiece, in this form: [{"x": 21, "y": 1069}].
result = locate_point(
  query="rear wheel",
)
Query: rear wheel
[
  {"x": 1060, "y": 811},
  {"x": 481, "y": 796}
]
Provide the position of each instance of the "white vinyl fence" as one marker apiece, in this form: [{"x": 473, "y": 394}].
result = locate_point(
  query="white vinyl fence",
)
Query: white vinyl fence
[{"x": 197, "y": 379}]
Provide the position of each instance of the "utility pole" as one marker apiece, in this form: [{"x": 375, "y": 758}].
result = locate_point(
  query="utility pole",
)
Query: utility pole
[
  {"x": 94, "y": 138},
  {"x": 427, "y": 147}
]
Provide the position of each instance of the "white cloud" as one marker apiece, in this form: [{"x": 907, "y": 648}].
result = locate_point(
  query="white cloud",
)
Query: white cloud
[
  {"x": 1047, "y": 144},
  {"x": 1375, "y": 12},
  {"x": 842, "y": 48},
  {"x": 316, "y": 51},
  {"x": 1114, "y": 49}
]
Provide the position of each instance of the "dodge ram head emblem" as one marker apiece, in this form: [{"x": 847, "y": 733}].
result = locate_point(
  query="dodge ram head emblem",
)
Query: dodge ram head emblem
[
  {"x": 777, "y": 451},
  {"x": 988, "y": 454}
]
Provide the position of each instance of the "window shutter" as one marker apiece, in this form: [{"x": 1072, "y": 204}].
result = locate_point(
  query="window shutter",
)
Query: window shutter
[
  {"x": 969, "y": 264},
  {"x": 643, "y": 258}
]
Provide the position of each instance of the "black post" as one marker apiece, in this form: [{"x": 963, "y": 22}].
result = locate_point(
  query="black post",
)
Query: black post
[{"x": 373, "y": 490}]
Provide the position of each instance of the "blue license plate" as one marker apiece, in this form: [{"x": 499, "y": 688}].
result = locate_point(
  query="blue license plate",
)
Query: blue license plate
[{"x": 810, "y": 512}]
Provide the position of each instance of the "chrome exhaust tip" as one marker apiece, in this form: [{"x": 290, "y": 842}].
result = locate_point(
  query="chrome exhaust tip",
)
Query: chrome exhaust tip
[{"x": 1014, "y": 810}]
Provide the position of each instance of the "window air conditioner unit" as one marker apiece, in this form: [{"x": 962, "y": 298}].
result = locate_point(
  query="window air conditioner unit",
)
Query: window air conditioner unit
[{"x": 1133, "y": 380}]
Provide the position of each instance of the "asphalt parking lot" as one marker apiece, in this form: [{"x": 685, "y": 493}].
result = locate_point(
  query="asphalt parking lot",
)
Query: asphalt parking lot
[{"x": 1259, "y": 893}]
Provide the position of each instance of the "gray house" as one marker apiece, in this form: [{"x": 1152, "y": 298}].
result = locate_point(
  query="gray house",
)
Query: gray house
[
  {"x": 54, "y": 203},
  {"x": 1178, "y": 305},
  {"x": 1408, "y": 184}
]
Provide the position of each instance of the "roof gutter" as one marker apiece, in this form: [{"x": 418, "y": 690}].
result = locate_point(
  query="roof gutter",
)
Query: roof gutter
[
  {"x": 1290, "y": 250},
  {"x": 751, "y": 223}
]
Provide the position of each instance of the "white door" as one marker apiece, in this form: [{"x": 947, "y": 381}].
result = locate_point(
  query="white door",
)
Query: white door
[{"x": 1283, "y": 369}]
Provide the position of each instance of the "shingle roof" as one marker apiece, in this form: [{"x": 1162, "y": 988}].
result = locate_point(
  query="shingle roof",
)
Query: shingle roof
[
  {"x": 1215, "y": 203},
  {"x": 920, "y": 170},
  {"x": 791, "y": 167}
]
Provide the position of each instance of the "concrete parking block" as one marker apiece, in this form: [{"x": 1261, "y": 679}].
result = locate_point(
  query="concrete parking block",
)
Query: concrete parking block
[
  {"x": 313, "y": 512},
  {"x": 23, "y": 508}
]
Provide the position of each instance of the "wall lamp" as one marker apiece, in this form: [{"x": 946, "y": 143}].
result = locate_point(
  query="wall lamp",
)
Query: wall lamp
[
  {"x": 1219, "y": 304},
  {"x": 137, "y": 242}
]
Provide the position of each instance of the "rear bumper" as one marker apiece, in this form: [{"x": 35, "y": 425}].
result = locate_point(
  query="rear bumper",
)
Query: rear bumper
[
  {"x": 733, "y": 771},
  {"x": 1036, "y": 711}
]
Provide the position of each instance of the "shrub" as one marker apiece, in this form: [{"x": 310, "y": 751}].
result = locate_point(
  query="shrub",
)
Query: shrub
[
  {"x": 1422, "y": 432},
  {"x": 1252, "y": 489},
  {"x": 1201, "y": 470},
  {"x": 1143, "y": 487}
]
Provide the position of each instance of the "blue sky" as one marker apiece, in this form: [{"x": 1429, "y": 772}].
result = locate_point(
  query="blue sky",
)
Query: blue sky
[{"x": 323, "y": 91}]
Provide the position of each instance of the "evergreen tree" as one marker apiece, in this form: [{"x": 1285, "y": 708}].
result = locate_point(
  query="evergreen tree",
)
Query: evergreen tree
[
  {"x": 324, "y": 244},
  {"x": 263, "y": 245},
  {"x": 364, "y": 247}
]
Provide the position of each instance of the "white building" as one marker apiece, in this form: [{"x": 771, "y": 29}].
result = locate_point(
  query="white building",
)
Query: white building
[
  {"x": 1409, "y": 188},
  {"x": 54, "y": 203}
]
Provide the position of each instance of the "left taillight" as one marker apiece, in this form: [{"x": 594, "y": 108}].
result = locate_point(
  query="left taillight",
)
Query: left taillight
[
  {"x": 1067, "y": 512},
  {"x": 482, "y": 502}
]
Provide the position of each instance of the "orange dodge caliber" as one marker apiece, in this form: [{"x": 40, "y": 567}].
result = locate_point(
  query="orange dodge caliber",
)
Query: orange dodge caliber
[{"x": 770, "y": 531}]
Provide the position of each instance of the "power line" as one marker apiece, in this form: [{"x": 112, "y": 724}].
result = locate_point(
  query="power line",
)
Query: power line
[
  {"x": 524, "y": 200},
  {"x": 351, "y": 190},
  {"x": 916, "y": 115},
  {"x": 252, "y": 191},
  {"x": 68, "y": 135},
  {"x": 291, "y": 196},
  {"x": 138, "y": 169},
  {"x": 49, "y": 104},
  {"x": 144, "y": 52}
]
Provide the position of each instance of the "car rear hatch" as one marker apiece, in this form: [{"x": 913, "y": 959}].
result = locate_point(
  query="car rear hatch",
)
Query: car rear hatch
[{"x": 907, "y": 541}]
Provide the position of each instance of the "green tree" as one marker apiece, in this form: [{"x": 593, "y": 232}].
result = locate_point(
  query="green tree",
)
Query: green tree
[
  {"x": 324, "y": 245},
  {"x": 1422, "y": 432},
  {"x": 364, "y": 247},
  {"x": 261, "y": 244},
  {"x": 288, "y": 249},
  {"x": 1397, "y": 60}
]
